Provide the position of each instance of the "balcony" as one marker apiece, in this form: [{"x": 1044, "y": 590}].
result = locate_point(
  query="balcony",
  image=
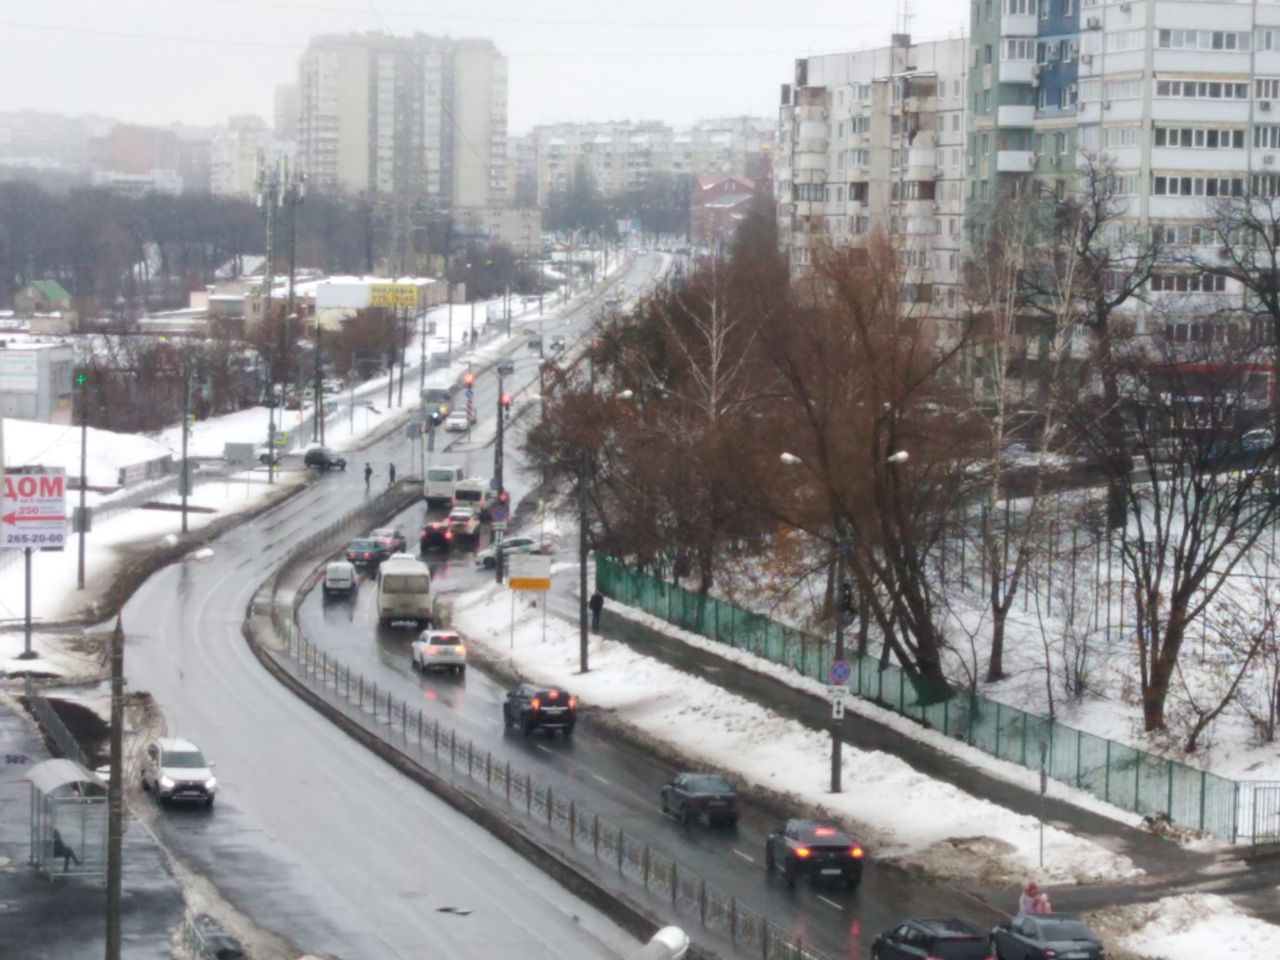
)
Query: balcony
[
  {"x": 1018, "y": 25},
  {"x": 1015, "y": 116},
  {"x": 1015, "y": 161},
  {"x": 1017, "y": 71}
]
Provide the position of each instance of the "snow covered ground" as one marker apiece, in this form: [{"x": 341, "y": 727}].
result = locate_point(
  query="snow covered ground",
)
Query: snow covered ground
[
  {"x": 1195, "y": 926},
  {"x": 901, "y": 815}
]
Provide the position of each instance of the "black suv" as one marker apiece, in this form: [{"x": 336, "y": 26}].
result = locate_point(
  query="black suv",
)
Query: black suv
[
  {"x": 435, "y": 533},
  {"x": 918, "y": 939},
  {"x": 823, "y": 851},
  {"x": 531, "y": 707},
  {"x": 325, "y": 459}
]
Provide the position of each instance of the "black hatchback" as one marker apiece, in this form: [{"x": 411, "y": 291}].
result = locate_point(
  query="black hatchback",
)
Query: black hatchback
[
  {"x": 929, "y": 938},
  {"x": 692, "y": 796}
]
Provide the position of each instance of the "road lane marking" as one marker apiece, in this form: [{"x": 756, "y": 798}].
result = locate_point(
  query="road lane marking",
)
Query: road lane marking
[
  {"x": 543, "y": 747},
  {"x": 601, "y": 779},
  {"x": 744, "y": 856},
  {"x": 831, "y": 903}
]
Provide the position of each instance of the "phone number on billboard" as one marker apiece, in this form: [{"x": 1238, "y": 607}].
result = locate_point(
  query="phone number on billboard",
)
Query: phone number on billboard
[{"x": 35, "y": 539}]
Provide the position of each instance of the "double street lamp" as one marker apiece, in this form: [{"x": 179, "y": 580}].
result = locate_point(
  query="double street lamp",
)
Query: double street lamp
[{"x": 842, "y": 551}]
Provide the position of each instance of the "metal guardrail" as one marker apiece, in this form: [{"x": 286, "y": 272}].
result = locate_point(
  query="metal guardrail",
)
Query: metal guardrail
[
  {"x": 52, "y": 724},
  {"x": 428, "y": 742}
]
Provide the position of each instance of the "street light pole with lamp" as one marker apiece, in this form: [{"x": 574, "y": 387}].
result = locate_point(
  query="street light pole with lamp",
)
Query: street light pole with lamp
[{"x": 842, "y": 551}]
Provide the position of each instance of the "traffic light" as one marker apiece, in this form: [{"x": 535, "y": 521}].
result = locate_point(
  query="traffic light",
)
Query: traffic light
[
  {"x": 468, "y": 378},
  {"x": 81, "y": 379},
  {"x": 503, "y": 498},
  {"x": 506, "y": 405}
]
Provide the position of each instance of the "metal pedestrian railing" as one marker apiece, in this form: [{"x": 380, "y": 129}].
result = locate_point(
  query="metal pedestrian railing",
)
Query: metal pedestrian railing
[
  {"x": 52, "y": 724},
  {"x": 1130, "y": 778},
  {"x": 539, "y": 802}
]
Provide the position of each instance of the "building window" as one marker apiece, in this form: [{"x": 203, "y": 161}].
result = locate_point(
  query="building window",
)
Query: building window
[
  {"x": 1169, "y": 186},
  {"x": 1266, "y": 88},
  {"x": 1199, "y": 138},
  {"x": 1188, "y": 283},
  {"x": 1044, "y": 9},
  {"x": 1202, "y": 40},
  {"x": 1068, "y": 8},
  {"x": 1198, "y": 89},
  {"x": 1067, "y": 96}
]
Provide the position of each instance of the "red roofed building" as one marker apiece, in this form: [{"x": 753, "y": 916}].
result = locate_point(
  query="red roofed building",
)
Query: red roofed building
[{"x": 717, "y": 205}]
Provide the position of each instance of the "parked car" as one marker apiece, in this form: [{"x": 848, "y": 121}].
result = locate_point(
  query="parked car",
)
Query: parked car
[
  {"x": 457, "y": 422},
  {"x": 266, "y": 455},
  {"x": 331, "y": 387},
  {"x": 488, "y": 557},
  {"x": 177, "y": 770},
  {"x": 816, "y": 848},
  {"x": 463, "y": 522},
  {"x": 692, "y": 796},
  {"x": 389, "y": 541},
  {"x": 920, "y": 939},
  {"x": 363, "y": 552},
  {"x": 557, "y": 342},
  {"x": 1045, "y": 936},
  {"x": 531, "y": 707},
  {"x": 324, "y": 459},
  {"x": 435, "y": 533},
  {"x": 440, "y": 650},
  {"x": 339, "y": 578}
]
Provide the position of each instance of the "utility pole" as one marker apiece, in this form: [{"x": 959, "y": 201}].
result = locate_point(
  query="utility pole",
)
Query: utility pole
[
  {"x": 583, "y": 633},
  {"x": 403, "y": 337},
  {"x": 497, "y": 472},
  {"x": 293, "y": 190},
  {"x": 837, "y": 740},
  {"x": 184, "y": 481},
  {"x": 317, "y": 418},
  {"x": 115, "y": 795},
  {"x": 269, "y": 198},
  {"x": 82, "y": 382}
]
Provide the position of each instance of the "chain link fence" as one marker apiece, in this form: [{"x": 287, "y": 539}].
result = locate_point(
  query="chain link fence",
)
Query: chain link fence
[{"x": 1132, "y": 779}]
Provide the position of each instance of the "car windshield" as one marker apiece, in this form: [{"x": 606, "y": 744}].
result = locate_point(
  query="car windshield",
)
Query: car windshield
[
  {"x": 820, "y": 833},
  {"x": 461, "y": 515},
  {"x": 440, "y": 474},
  {"x": 406, "y": 583},
  {"x": 710, "y": 784},
  {"x": 361, "y": 545},
  {"x": 1059, "y": 930},
  {"x": 444, "y": 639},
  {"x": 185, "y": 759},
  {"x": 338, "y": 570}
]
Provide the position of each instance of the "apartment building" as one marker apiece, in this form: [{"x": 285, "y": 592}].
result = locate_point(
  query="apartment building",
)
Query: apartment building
[
  {"x": 416, "y": 117},
  {"x": 624, "y": 157},
  {"x": 874, "y": 141}
]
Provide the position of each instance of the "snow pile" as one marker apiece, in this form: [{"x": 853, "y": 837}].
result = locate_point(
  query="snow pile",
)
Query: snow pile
[
  {"x": 27, "y": 443},
  {"x": 1189, "y": 927},
  {"x": 905, "y": 813}
]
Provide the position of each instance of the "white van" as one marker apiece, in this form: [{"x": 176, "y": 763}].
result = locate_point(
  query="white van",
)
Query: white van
[
  {"x": 474, "y": 493},
  {"x": 404, "y": 591},
  {"x": 438, "y": 488}
]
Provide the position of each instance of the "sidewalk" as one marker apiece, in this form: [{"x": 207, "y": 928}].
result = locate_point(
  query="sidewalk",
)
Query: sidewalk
[{"x": 66, "y": 919}]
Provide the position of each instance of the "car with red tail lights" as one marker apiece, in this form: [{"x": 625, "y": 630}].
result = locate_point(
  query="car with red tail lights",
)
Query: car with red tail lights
[
  {"x": 440, "y": 650},
  {"x": 531, "y": 707},
  {"x": 818, "y": 849}
]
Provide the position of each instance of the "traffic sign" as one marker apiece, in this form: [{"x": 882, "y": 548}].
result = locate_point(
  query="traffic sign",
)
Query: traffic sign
[
  {"x": 501, "y": 512},
  {"x": 528, "y": 571},
  {"x": 36, "y": 500},
  {"x": 838, "y": 693},
  {"x": 499, "y": 526},
  {"x": 839, "y": 672},
  {"x": 470, "y": 392},
  {"x": 837, "y": 709},
  {"x": 493, "y": 484}
]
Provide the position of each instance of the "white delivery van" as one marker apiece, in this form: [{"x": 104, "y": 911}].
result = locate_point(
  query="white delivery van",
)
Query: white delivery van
[
  {"x": 438, "y": 488},
  {"x": 404, "y": 592},
  {"x": 474, "y": 493}
]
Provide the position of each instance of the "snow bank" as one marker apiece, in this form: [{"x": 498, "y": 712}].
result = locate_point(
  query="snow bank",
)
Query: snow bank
[{"x": 1189, "y": 927}]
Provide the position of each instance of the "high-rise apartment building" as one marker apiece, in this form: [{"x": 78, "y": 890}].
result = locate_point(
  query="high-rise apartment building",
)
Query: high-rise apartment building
[
  {"x": 418, "y": 117},
  {"x": 873, "y": 142}
]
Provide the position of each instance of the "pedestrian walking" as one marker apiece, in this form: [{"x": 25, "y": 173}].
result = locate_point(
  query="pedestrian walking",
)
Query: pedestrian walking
[
  {"x": 368, "y": 475},
  {"x": 596, "y": 604},
  {"x": 392, "y": 472}
]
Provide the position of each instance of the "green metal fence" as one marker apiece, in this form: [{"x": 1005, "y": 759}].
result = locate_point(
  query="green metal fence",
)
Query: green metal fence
[{"x": 1131, "y": 779}]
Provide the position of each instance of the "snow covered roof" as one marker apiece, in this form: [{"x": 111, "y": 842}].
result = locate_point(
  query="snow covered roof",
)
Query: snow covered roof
[{"x": 27, "y": 443}]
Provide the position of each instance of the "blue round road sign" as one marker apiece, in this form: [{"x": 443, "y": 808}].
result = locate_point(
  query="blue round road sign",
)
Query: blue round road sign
[
  {"x": 840, "y": 672},
  {"x": 501, "y": 512}
]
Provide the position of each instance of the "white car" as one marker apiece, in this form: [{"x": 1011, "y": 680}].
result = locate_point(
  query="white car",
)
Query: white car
[
  {"x": 463, "y": 522},
  {"x": 339, "y": 578},
  {"x": 440, "y": 650},
  {"x": 487, "y": 557},
  {"x": 177, "y": 770},
  {"x": 457, "y": 422}
]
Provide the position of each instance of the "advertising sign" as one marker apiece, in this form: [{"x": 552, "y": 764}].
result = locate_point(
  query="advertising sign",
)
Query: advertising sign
[{"x": 35, "y": 500}]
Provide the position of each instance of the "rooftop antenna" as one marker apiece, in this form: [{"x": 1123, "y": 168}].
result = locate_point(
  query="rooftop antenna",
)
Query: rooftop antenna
[{"x": 905, "y": 16}]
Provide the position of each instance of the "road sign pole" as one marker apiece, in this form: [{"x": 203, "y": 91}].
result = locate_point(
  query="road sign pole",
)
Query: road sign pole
[
  {"x": 84, "y": 478},
  {"x": 837, "y": 742},
  {"x": 27, "y": 652}
]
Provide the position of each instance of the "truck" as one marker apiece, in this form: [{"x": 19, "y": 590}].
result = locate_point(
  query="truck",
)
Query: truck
[{"x": 474, "y": 493}]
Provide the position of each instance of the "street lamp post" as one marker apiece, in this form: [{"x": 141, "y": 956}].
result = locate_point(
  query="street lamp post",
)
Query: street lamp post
[{"x": 843, "y": 547}]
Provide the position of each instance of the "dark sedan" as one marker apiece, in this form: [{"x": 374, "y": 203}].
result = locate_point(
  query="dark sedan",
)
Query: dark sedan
[
  {"x": 923, "y": 939},
  {"x": 692, "y": 796},
  {"x": 435, "y": 533},
  {"x": 531, "y": 707},
  {"x": 1045, "y": 936},
  {"x": 389, "y": 541},
  {"x": 819, "y": 850},
  {"x": 363, "y": 552}
]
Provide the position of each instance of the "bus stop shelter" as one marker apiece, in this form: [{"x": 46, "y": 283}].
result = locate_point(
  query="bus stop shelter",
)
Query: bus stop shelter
[{"x": 68, "y": 820}]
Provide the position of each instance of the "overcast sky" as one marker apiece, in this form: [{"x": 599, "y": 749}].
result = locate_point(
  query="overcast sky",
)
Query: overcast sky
[{"x": 198, "y": 61}]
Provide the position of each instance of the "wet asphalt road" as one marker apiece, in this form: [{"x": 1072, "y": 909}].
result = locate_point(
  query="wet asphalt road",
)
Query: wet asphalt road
[{"x": 312, "y": 837}]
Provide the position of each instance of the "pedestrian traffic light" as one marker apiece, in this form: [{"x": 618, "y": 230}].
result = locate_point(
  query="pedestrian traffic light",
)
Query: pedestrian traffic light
[
  {"x": 468, "y": 378},
  {"x": 503, "y": 497},
  {"x": 81, "y": 380},
  {"x": 506, "y": 400}
]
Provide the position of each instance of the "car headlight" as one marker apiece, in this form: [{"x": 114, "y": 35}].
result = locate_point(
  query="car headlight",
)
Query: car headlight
[
  {"x": 211, "y": 783},
  {"x": 166, "y": 783}
]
